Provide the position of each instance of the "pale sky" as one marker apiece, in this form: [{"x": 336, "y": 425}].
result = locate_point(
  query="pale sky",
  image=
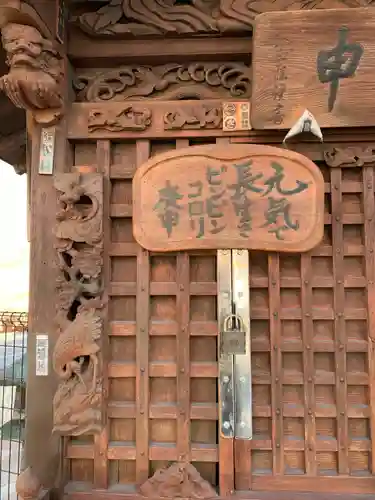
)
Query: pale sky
[{"x": 14, "y": 247}]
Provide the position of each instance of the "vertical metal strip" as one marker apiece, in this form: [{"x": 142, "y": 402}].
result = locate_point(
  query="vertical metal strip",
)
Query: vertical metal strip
[
  {"x": 242, "y": 373},
  {"x": 224, "y": 299},
  {"x": 242, "y": 362},
  {"x": 225, "y": 378}
]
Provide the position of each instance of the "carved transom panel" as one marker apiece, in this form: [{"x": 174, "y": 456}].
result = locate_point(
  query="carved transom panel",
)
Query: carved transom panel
[
  {"x": 166, "y": 82},
  {"x": 146, "y": 18}
]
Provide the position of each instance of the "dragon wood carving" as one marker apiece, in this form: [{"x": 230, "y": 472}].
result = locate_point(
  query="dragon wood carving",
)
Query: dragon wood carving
[
  {"x": 179, "y": 480},
  {"x": 167, "y": 82},
  {"x": 35, "y": 72},
  {"x": 77, "y": 357},
  {"x": 129, "y": 18}
]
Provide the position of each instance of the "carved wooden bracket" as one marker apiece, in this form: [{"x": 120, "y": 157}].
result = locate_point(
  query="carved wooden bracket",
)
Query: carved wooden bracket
[
  {"x": 77, "y": 357},
  {"x": 36, "y": 75},
  {"x": 180, "y": 480},
  {"x": 355, "y": 156}
]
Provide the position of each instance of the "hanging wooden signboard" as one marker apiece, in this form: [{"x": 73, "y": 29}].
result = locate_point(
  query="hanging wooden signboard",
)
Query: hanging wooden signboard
[
  {"x": 233, "y": 196},
  {"x": 320, "y": 60}
]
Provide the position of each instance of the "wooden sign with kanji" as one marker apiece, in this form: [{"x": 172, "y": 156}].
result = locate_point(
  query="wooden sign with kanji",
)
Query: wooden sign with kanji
[
  {"x": 235, "y": 196},
  {"x": 320, "y": 60}
]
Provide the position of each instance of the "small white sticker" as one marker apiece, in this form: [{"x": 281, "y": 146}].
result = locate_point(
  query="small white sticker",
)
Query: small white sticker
[
  {"x": 236, "y": 116},
  {"x": 41, "y": 368},
  {"x": 47, "y": 151}
]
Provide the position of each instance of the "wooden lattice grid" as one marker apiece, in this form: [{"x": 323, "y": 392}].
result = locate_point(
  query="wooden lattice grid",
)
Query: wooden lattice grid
[{"x": 310, "y": 349}]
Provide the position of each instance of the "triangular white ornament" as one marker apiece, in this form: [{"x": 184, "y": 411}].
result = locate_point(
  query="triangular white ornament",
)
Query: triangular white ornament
[{"x": 306, "y": 123}]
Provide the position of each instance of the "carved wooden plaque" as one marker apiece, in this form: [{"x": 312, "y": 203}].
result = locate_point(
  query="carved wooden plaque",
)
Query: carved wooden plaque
[
  {"x": 299, "y": 65},
  {"x": 234, "y": 196}
]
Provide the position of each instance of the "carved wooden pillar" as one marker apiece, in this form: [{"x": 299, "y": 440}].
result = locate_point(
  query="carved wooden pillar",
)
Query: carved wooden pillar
[{"x": 35, "y": 82}]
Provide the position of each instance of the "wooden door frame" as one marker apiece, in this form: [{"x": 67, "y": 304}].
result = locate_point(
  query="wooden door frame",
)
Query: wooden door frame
[{"x": 43, "y": 200}]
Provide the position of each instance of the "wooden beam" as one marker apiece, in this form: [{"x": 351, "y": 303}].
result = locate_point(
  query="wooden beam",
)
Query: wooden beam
[
  {"x": 104, "y": 52},
  {"x": 265, "y": 488}
]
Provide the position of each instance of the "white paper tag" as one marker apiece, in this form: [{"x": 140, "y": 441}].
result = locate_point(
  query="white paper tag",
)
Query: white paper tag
[
  {"x": 41, "y": 365},
  {"x": 47, "y": 151}
]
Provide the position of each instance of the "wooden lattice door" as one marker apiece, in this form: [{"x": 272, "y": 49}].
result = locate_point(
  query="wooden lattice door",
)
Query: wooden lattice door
[
  {"x": 310, "y": 321},
  {"x": 312, "y": 354},
  {"x": 161, "y": 366}
]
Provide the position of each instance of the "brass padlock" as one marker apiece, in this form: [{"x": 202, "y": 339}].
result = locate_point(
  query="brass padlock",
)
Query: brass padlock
[{"x": 233, "y": 335}]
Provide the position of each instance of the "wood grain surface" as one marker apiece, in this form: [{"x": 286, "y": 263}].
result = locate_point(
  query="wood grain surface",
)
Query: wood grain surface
[
  {"x": 254, "y": 197},
  {"x": 289, "y": 47}
]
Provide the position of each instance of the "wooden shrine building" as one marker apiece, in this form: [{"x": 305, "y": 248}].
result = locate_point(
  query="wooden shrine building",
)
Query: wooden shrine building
[{"x": 202, "y": 228}]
